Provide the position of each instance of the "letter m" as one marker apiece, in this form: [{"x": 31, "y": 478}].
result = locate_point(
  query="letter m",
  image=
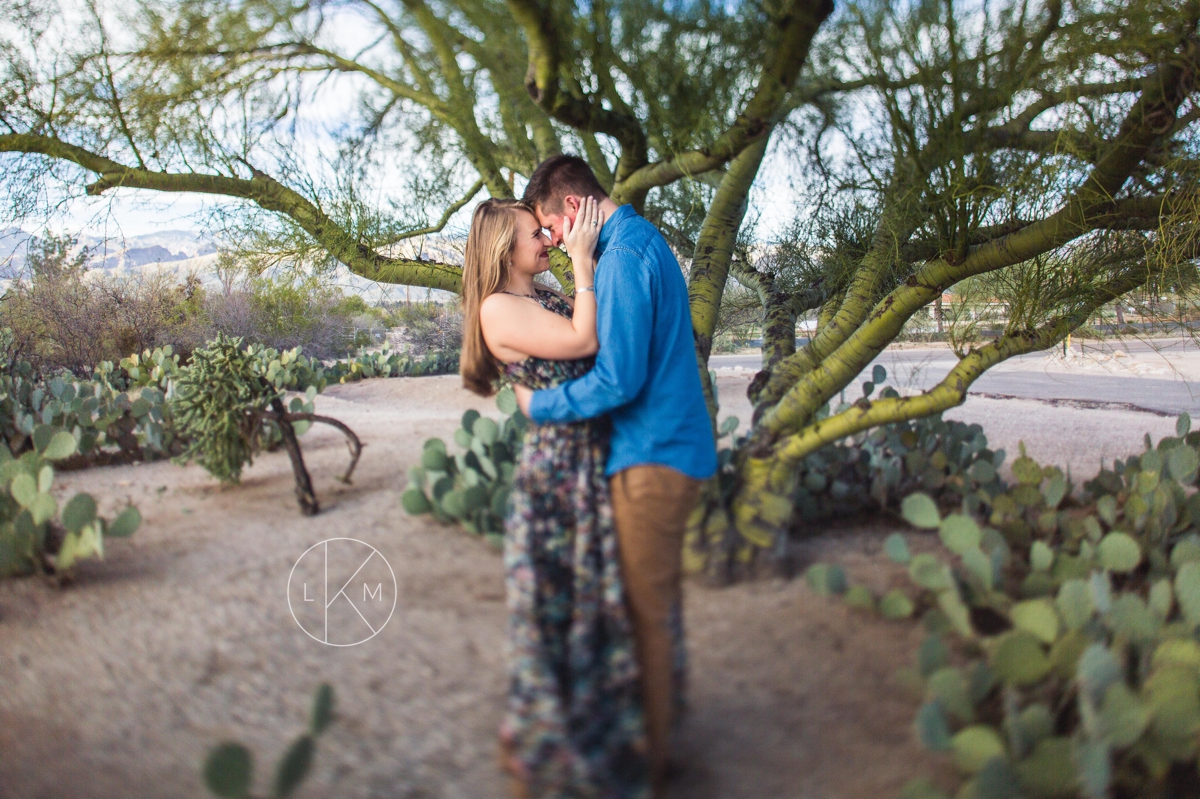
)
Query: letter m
[{"x": 377, "y": 593}]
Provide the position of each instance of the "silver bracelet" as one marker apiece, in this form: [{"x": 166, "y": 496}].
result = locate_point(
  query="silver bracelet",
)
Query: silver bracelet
[{"x": 588, "y": 288}]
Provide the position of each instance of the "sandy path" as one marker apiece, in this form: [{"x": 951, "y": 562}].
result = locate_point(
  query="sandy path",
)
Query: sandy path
[{"x": 119, "y": 684}]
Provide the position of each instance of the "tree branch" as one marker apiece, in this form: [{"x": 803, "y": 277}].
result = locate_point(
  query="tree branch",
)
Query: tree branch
[
  {"x": 263, "y": 190},
  {"x": 450, "y": 211}
]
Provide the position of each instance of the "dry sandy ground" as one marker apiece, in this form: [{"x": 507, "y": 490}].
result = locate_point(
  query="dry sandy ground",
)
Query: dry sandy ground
[{"x": 118, "y": 684}]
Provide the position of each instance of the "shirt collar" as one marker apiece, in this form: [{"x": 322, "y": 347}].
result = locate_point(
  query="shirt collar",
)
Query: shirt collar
[{"x": 610, "y": 225}]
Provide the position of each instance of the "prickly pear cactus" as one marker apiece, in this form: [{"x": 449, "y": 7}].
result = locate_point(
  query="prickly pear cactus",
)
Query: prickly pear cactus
[
  {"x": 229, "y": 768},
  {"x": 36, "y": 535},
  {"x": 470, "y": 487},
  {"x": 1075, "y": 615}
]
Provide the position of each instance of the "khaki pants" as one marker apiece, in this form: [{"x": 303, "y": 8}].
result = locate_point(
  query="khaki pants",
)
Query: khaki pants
[{"x": 650, "y": 510}]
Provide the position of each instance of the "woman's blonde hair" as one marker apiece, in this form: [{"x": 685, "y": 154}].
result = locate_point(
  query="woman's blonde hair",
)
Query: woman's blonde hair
[{"x": 486, "y": 263}]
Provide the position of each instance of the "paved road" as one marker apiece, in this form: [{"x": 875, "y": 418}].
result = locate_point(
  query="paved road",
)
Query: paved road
[{"x": 1026, "y": 377}]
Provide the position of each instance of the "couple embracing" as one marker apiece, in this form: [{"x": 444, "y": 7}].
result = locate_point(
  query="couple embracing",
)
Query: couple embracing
[{"x": 609, "y": 470}]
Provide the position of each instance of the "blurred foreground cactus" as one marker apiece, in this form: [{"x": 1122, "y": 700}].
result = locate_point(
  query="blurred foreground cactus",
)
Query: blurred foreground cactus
[
  {"x": 1064, "y": 650},
  {"x": 229, "y": 768},
  {"x": 470, "y": 487},
  {"x": 35, "y": 534}
]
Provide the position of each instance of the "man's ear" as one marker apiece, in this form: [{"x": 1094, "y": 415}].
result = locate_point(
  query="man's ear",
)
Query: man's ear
[{"x": 571, "y": 206}]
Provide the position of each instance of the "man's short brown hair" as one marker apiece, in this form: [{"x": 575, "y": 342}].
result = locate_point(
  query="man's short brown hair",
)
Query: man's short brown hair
[{"x": 558, "y": 176}]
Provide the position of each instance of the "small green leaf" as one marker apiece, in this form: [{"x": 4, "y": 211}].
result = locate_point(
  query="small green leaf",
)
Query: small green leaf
[
  {"x": 1187, "y": 591},
  {"x": 42, "y": 434},
  {"x": 974, "y": 746},
  {"x": 920, "y": 510},
  {"x": 980, "y": 565},
  {"x": 933, "y": 731},
  {"x": 228, "y": 770},
  {"x": 826, "y": 579},
  {"x": 1054, "y": 490},
  {"x": 1049, "y": 770},
  {"x": 415, "y": 502},
  {"x": 126, "y": 523},
  {"x": 896, "y": 548},
  {"x": 859, "y": 598},
  {"x": 895, "y": 605},
  {"x": 294, "y": 767},
  {"x": 486, "y": 430},
  {"x": 931, "y": 655},
  {"x": 949, "y": 688},
  {"x": 506, "y": 401},
  {"x": 878, "y": 374},
  {"x": 1161, "y": 599},
  {"x": 1123, "y": 718},
  {"x": 1075, "y": 603},
  {"x": 982, "y": 472},
  {"x": 1019, "y": 659},
  {"x": 1183, "y": 424},
  {"x": 729, "y": 425},
  {"x": 1094, "y": 767},
  {"x": 322, "y": 709},
  {"x": 80, "y": 510},
  {"x": 24, "y": 489},
  {"x": 1177, "y": 652},
  {"x": 434, "y": 459},
  {"x": 951, "y": 604},
  {"x": 960, "y": 533},
  {"x": 1037, "y": 617},
  {"x": 62, "y": 445},
  {"x": 1026, "y": 470},
  {"x": 1041, "y": 556},
  {"x": 1096, "y": 670},
  {"x": 1182, "y": 463},
  {"x": 1186, "y": 551},
  {"x": 929, "y": 572},
  {"x": 44, "y": 508},
  {"x": 1106, "y": 506},
  {"x": 1119, "y": 552}
]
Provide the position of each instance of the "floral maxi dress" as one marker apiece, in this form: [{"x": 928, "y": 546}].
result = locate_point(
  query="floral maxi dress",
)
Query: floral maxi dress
[{"x": 573, "y": 726}]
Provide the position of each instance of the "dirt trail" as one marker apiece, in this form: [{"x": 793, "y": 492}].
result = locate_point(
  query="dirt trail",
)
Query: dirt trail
[{"x": 120, "y": 683}]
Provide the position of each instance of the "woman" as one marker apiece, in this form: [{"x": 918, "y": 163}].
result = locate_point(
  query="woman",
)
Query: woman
[{"x": 573, "y": 726}]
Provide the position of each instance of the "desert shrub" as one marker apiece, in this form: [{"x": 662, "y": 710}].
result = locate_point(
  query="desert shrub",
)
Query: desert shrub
[
  {"x": 429, "y": 328},
  {"x": 1073, "y": 619},
  {"x": 280, "y": 312},
  {"x": 229, "y": 768},
  {"x": 67, "y": 317}
]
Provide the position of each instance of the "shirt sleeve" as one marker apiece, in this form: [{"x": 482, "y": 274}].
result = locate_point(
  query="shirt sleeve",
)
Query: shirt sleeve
[{"x": 624, "y": 320}]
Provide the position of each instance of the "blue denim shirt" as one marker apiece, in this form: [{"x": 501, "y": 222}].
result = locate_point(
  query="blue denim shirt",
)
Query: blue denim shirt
[{"x": 646, "y": 377}]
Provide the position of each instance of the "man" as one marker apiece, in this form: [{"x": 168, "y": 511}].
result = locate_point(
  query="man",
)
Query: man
[{"x": 646, "y": 380}]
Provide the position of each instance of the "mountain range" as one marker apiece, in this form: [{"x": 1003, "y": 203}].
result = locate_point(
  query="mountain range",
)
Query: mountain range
[{"x": 192, "y": 252}]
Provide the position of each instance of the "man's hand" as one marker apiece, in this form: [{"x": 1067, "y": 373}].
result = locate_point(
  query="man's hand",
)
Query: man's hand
[{"x": 524, "y": 397}]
